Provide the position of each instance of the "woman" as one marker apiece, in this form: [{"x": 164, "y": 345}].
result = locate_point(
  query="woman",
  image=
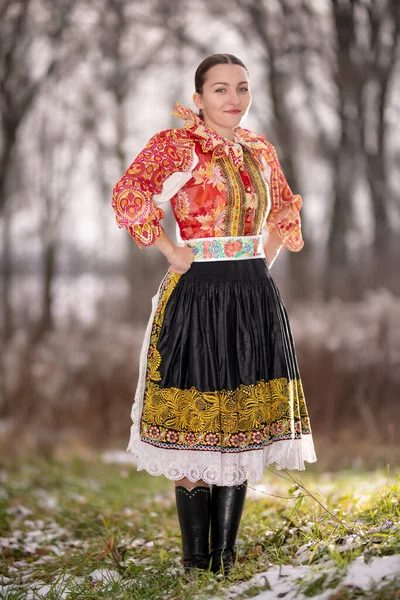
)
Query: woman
[{"x": 219, "y": 394}]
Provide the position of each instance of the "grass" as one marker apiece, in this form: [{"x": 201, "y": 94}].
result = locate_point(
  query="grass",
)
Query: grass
[{"x": 90, "y": 530}]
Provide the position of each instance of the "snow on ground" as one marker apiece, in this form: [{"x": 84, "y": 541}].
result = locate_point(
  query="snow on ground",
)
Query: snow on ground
[
  {"x": 277, "y": 582},
  {"x": 281, "y": 582},
  {"x": 118, "y": 457}
]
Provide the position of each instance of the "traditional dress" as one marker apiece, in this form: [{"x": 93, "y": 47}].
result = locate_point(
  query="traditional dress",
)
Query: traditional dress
[{"x": 219, "y": 394}]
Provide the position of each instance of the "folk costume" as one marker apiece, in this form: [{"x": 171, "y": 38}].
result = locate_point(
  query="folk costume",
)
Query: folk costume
[{"x": 219, "y": 395}]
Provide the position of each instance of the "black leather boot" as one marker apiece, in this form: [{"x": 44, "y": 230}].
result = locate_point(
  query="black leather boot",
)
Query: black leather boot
[
  {"x": 194, "y": 519},
  {"x": 226, "y": 511}
]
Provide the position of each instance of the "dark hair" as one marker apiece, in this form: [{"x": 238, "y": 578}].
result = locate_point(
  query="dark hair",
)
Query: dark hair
[{"x": 207, "y": 64}]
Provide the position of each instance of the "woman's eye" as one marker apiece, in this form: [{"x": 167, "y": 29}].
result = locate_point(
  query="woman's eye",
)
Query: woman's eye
[
  {"x": 220, "y": 90},
  {"x": 243, "y": 89}
]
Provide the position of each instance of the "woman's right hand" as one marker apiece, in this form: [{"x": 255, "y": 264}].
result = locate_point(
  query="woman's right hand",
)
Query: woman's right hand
[{"x": 181, "y": 259}]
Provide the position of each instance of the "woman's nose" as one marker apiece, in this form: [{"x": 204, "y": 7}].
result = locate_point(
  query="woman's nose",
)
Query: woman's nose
[{"x": 234, "y": 98}]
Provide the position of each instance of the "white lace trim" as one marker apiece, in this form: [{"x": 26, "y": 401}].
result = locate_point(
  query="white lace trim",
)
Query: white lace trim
[
  {"x": 222, "y": 468},
  {"x": 212, "y": 467}
]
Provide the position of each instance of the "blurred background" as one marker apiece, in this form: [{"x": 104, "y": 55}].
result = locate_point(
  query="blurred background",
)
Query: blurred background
[{"x": 83, "y": 86}]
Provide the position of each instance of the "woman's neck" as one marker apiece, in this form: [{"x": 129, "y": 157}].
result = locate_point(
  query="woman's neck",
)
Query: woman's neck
[{"x": 229, "y": 134}]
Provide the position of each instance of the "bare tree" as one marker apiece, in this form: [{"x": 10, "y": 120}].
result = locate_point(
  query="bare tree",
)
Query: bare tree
[
  {"x": 367, "y": 42},
  {"x": 19, "y": 84},
  {"x": 382, "y": 62},
  {"x": 52, "y": 161},
  {"x": 23, "y": 23}
]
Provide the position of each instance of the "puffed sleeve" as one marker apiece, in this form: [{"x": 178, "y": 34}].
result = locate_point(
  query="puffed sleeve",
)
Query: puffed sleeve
[
  {"x": 284, "y": 215},
  {"x": 166, "y": 153}
]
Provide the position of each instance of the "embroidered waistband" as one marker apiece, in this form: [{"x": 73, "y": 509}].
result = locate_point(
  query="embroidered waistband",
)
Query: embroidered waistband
[{"x": 226, "y": 248}]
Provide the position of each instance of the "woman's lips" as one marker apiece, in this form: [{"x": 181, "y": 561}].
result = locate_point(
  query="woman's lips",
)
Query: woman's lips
[{"x": 233, "y": 112}]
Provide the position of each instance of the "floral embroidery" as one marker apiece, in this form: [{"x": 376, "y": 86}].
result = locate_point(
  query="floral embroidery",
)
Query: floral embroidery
[
  {"x": 284, "y": 214},
  {"x": 206, "y": 222},
  {"x": 166, "y": 153},
  {"x": 226, "y": 195},
  {"x": 251, "y": 201},
  {"x": 249, "y": 417},
  {"x": 231, "y": 248},
  {"x": 218, "y": 214},
  {"x": 236, "y": 200},
  {"x": 257, "y": 211},
  {"x": 190, "y": 438},
  {"x": 153, "y": 356},
  {"x": 154, "y": 432},
  {"x": 210, "y": 141},
  {"x": 172, "y": 436},
  {"x": 257, "y": 437},
  {"x": 222, "y": 248},
  {"x": 182, "y": 206},
  {"x": 211, "y": 174},
  {"x": 211, "y": 439}
]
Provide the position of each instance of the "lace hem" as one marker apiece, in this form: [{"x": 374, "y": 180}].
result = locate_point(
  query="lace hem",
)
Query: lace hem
[{"x": 221, "y": 468}]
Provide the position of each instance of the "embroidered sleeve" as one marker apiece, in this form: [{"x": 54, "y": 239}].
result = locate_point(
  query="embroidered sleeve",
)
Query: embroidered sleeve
[
  {"x": 165, "y": 153},
  {"x": 284, "y": 215}
]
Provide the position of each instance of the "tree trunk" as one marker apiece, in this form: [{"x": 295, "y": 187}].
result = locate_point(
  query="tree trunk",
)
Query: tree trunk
[
  {"x": 6, "y": 279},
  {"x": 49, "y": 273},
  {"x": 337, "y": 280}
]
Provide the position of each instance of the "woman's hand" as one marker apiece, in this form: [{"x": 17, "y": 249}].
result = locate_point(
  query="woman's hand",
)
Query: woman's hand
[
  {"x": 272, "y": 248},
  {"x": 181, "y": 259}
]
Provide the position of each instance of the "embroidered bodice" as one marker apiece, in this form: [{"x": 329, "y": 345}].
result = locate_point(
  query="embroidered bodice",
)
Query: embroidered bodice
[{"x": 217, "y": 187}]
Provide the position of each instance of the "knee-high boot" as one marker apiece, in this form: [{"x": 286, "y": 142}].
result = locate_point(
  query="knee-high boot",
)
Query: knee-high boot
[
  {"x": 194, "y": 519},
  {"x": 226, "y": 511}
]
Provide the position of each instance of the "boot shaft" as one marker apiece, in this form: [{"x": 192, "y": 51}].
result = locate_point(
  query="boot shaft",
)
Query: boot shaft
[
  {"x": 194, "y": 508},
  {"x": 226, "y": 512}
]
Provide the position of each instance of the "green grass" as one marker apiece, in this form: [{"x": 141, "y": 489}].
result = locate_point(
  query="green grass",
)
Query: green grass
[{"x": 62, "y": 521}]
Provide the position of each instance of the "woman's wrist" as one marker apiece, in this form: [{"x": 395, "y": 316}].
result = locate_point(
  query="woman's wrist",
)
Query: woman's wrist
[
  {"x": 170, "y": 254},
  {"x": 166, "y": 246}
]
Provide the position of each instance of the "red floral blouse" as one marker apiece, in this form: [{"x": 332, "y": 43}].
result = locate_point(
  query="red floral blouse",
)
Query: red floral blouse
[{"x": 216, "y": 187}]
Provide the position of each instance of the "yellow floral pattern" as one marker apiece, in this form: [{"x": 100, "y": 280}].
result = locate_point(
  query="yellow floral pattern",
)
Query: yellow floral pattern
[
  {"x": 246, "y": 418},
  {"x": 153, "y": 356}
]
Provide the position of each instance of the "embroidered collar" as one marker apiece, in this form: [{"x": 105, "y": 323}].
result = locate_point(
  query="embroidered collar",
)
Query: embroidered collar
[{"x": 211, "y": 141}]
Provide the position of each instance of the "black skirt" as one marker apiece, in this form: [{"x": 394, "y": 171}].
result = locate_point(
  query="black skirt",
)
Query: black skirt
[{"x": 221, "y": 396}]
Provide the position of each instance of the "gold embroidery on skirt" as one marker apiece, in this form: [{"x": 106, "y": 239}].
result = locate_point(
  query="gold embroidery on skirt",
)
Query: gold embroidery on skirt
[
  {"x": 248, "y": 417},
  {"x": 153, "y": 355}
]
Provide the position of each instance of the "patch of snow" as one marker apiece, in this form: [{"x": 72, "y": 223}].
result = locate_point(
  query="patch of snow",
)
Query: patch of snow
[
  {"x": 60, "y": 589},
  {"x": 45, "y": 500},
  {"x": 118, "y": 457},
  {"x": 135, "y": 543},
  {"x": 362, "y": 574},
  {"x": 78, "y": 498},
  {"x": 7, "y": 591},
  {"x": 278, "y": 580},
  {"x": 20, "y": 511},
  {"x": 282, "y": 581},
  {"x": 105, "y": 575}
]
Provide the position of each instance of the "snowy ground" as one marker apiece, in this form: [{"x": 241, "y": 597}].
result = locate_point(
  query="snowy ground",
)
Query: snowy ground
[{"x": 99, "y": 529}]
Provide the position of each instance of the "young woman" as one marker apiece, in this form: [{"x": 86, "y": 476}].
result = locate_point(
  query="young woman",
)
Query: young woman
[{"x": 219, "y": 395}]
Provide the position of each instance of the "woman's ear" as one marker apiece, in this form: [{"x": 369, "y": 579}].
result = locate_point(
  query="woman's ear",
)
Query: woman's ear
[{"x": 197, "y": 100}]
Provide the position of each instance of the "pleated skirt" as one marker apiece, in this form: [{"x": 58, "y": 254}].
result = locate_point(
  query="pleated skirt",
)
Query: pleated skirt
[{"x": 219, "y": 394}]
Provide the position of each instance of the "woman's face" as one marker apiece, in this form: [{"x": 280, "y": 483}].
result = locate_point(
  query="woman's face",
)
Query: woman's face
[{"x": 225, "y": 99}]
